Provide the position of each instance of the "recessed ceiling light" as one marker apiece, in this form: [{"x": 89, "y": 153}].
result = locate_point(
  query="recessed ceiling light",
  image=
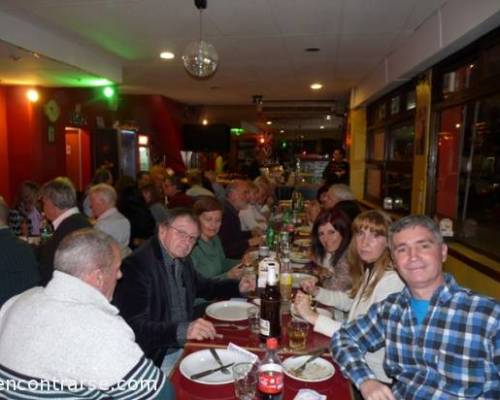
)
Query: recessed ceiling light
[
  {"x": 328, "y": 117},
  {"x": 282, "y": 131},
  {"x": 269, "y": 122},
  {"x": 205, "y": 121},
  {"x": 312, "y": 49},
  {"x": 316, "y": 86},
  {"x": 167, "y": 55},
  {"x": 322, "y": 127}
]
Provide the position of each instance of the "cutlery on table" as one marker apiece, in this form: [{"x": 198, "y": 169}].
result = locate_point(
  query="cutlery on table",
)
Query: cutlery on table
[
  {"x": 202, "y": 374},
  {"x": 219, "y": 361},
  {"x": 312, "y": 357}
]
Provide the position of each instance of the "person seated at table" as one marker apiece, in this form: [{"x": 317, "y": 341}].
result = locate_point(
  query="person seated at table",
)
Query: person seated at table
[
  {"x": 159, "y": 285},
  {"x": 25, "y": 219},
  {"x": 235, "y": 241},
  {"x": 315, "y": 207},
  {"x": 174, "y": 193},
  {"x": 154, "y": 202},
  {"x": 18, "y": 266},
  {"x": 442, "y": 340},
  {"x": 330, "y": 238},
  {"x": 66, "y": 340},
  {"x": 102, "y": 199},
  {"x": 196, "y": 187},
  {"x": 373, "y": 279},
  {"x": 208, "y": 255},
  {"x": 250, "y": 217},
  {"x": 60, "y": 208}
]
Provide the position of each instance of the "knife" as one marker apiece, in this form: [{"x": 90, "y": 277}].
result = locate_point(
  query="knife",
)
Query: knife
[
  {"x": 210, "y": 371},
  {"x": 219, "y": 361}
]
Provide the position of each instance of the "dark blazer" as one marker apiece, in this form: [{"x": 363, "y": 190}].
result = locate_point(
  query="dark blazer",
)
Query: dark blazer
[
  {"x": 46, "y": 251},
  {"x": 18, "y": 266},
  {"x": 234, "y": 240},
  {"x": 141, "y": 296}
]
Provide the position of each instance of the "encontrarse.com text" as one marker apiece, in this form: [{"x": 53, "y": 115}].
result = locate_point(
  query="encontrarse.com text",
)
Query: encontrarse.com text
[{"x": 56, "y": 385}]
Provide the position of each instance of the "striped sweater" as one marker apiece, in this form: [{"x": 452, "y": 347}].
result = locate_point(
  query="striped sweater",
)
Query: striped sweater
[{"x": 66, "y": 341}]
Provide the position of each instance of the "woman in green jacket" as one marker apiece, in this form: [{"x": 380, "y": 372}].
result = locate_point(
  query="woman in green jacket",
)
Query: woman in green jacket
[{"x": 208, "y": 256}]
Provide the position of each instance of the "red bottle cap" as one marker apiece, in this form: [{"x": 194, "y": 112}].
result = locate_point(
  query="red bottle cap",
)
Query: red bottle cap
[{"x": 272, "y": 343}]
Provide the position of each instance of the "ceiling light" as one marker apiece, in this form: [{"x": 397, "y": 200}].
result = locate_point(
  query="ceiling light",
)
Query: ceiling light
[
  {"x": 200, "y": 58},
  {"x": 322, "y": 127},
  {"x": 167, "y": 55},
  {"x": 205, "y": 121},
  {"x": 328, "y": 117},
  {"x": 316, "y": 86},
  {"x": 32, "y": 95},
  {"x": 282, "y": 131},
  {"x": 269, "y": 122}
]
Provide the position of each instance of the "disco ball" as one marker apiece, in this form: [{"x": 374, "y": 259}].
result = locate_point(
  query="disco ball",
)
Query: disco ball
[{"x": 200, "y": 59}]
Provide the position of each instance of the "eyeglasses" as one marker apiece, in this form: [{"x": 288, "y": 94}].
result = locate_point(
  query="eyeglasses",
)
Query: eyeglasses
[{"x": 184, "y": 235}]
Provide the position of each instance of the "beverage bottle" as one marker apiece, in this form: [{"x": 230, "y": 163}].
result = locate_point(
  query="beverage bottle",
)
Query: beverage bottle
[
  {"x": 270, "y": 304},
  {"x": 270, "y": 234},
  {"x": 285, "y": 279},
  {"x": 45, "y": 230},
  {"x": 270, "y": 373}
]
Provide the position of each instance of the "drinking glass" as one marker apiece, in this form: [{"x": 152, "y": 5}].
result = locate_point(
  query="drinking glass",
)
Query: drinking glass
[
  {"x": 245, "y": 380},
  {"x": 253, "y": 314},
  {"x": 297, "y": 334}
]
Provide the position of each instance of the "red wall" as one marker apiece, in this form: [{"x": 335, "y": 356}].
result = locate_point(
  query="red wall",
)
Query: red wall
[
  {"x": 4, "y": 156},
  {"x": 25, "y": 152}
]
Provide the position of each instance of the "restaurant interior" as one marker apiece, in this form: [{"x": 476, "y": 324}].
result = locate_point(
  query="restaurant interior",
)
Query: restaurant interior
[{"x": 410, "y": 90}]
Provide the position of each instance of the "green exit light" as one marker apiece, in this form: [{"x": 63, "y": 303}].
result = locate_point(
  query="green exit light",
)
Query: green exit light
[{"x": 237, "y": 131}]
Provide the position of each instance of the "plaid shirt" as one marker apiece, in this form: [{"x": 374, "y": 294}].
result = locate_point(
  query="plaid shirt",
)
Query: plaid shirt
[{"x": 454, "y": 353}]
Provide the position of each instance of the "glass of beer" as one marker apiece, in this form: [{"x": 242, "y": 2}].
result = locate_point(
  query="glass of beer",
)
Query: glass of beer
[
  {"x": 286, "y": 285},
  {"x": 297, "y": 334}
]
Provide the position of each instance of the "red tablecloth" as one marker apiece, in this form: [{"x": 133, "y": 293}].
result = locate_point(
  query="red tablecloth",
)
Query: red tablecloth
[{"x": 336, "y": 387}]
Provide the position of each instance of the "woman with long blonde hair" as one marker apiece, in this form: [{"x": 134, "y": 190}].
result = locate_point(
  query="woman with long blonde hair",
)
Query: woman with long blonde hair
[{"x": 373, "y": 279}]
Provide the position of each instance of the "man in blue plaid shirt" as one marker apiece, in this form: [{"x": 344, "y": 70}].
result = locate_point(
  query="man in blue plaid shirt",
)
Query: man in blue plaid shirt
[{"x": 442, "y": 341}]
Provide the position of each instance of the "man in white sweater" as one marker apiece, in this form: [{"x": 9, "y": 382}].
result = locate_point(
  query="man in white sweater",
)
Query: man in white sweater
[{"x": 67, "y": 340}]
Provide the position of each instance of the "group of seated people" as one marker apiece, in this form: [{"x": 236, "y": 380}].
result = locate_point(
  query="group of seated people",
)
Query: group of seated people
[{"x": 110, "y": 314}]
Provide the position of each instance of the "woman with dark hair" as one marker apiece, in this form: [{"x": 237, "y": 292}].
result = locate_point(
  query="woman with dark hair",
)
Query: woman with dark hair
[
  {"x": 154, "y": 201},
  {"x": 208, "y": 256},
  {"x": 373, "y": 279},
  {"x": 331, "y": 235}
]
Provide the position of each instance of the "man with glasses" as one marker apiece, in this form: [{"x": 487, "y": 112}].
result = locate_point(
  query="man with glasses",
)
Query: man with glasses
[{"x": 159, "y": 285}]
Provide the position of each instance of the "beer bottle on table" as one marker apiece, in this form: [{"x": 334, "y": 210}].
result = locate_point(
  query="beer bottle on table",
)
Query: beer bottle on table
[
  {"x": 270, "y": 304},
  {"x": 270, "y": 373}
]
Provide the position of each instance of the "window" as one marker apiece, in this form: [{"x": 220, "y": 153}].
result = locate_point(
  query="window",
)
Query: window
[{"x": 468, "y": 172}]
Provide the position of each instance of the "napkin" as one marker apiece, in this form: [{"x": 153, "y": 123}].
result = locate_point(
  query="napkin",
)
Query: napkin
[
  {"x": 240, "y": 350},
  {"x": 309, "y": 394}
]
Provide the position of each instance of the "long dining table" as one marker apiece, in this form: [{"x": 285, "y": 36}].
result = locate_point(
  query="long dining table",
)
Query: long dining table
[{"x": 238, "y": 333}]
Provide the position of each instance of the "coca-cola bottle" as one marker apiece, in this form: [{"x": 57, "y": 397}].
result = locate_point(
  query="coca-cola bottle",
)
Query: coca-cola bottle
[
  {"x": 270, "y": 372},
  {"x": 270, "y": 305}
]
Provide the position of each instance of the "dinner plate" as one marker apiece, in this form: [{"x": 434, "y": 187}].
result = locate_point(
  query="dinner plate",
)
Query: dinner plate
[
  {"x": 302, "y": 242},
  {"x": 300, "y": 258},
  {"x": 229, "y": 310},
  {"x": 297, "y": 265},
  {"x": 203, "y": 360},
  {"x": 317, "y": 370},
  {"x": 304, "y": 230},
  {"x": 298, "y": 277},
  {"x": 319, "y": 310}
]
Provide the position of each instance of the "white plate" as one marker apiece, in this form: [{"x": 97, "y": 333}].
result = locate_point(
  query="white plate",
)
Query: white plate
[
  {"x": 319, "y": 310},
  {"x": 302, "y": 242},
  {"x": 301, "y": 258},
  {"x": 203, "y": 360},
  {"x": 298, "y": 265},
  {"x": 317, "y": 370},
  {"x": 229, "y": 310},
  {"x": 298, "y": 277}
]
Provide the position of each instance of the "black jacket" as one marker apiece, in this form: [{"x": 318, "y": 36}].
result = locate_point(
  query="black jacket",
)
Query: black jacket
[
  {"x": 234, "y": 240},
  {"x": 141, "y": 296},
  {"x": 46, "y": 251}
]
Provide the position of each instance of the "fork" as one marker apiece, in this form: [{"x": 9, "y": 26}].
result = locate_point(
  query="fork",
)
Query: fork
[{"x": 219, "y": 361}]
